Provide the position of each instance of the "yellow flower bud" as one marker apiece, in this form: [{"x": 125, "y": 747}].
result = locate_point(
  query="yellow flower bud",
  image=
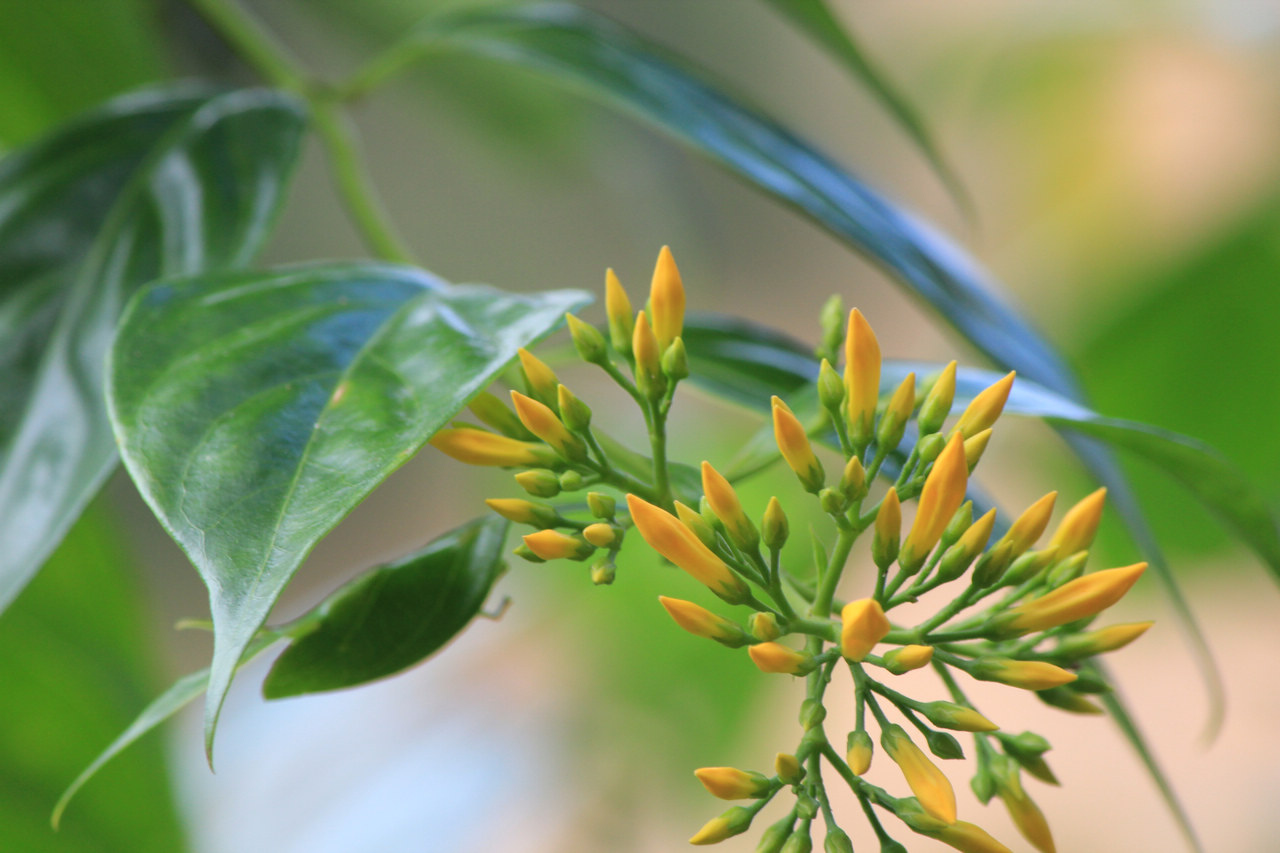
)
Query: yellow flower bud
[
  {"x": 893, "y": 423},
  {"x": 603, "y": 573},
  {"x": 666, "y": 299},
  {"x": 907, "y": 658},
  {"x": 775, "y": 657},
  {"x": 554, "y": 545},
  {"x": 644, "y": 347},
  {"x": 967, "y": 838},
  {"x": 927, "y": 782},
  {"x": 733, "y": 822},
  {"x": 796, "y": 449},
  {"x": 888, "y": 527},
  {"x": 730, "y": 783},
  {"x": 1024, "y": 532},
  {"x": 764, "y": 626},
  {"x": 1076, "y": 530},
  {"x": 774, "y": 525},
  {"x": 958, "y": 718},
  {"x": 830, "y": 389},
  {"x": 970, "y": 544},
  {"x": 862, "y": 625},
  {"x": 524, "y": 512},
  {"x": 861, "y": 377},
  {"x": 1102, "y": 640},
  {"x": 539, "y": 378},
  {"x": 788, "y": 768},
  {"x": 724, "y": 503},
  {"x": 1025, "y": 813},
  {"x": 539, "y": 482},
  {"x": 701, "y": 622},
  {"x": 985, "y": 408},
  {"x": 600, "y": 534},
  {"x": 937, "y": 402},
  {"x": 542, "y": 422},
  {"x": 574, "y": 414},
  {"x": 477, "y": 447},
  {"x": 943, "y": 492},
  {"x": 859, "y": 752},
  {"x": 1074, "y": 600},
  {"x": 853, "y": 481},
  {"x": 975, "y": 447},
  {"x": 618, "y": 309},
  {"x": 669, "y": 537},
  {"x": 1027, "y": 674}
]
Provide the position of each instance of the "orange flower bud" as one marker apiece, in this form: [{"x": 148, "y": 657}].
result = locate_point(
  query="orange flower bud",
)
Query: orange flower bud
[
  {"x": 667, "y": 535},
  {"x": 796, "y": 449},
  {"x": 618, "y": 309},
  {"x": 701, "y": 622},
  {"x": 644, "y": 347},
  {"x": 1074, "y": 600},
  {"x": 478, "y": 447},
  {"x": 540, "y": 420},
  {"x": 861, "y": 377},
  {"x": 859, "y": 752},
  {"x": 985, "y": 408},
  {"x": 524, "y": 512},
  {"x": 1102, "y": 640},
  {"x": 775, "y": 657},
  {"x": 1027, "y": 674},
  {"x": 906, "y": 658},
  {"x": 724, "y": 503},
  {"x": 666, "y": 300},
  {"x": 943, "y": 492},
  {"x": 540, "y": 378},
  {"x": 1076, "y": 530},
  {"x": 554, "y": 545},
  {"x": 1024, "y": 531},
  {"x": 927, "y": 782},
  {"x": 730, "y": 783},
  {"x": 862, "y": 625}
]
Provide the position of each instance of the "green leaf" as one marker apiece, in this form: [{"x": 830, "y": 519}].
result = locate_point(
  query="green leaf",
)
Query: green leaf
[
  {"x": 179, "y": 695},
  {"x": 595, "y": 55},
  {"x": 393, "y": 616},
  {"x": 155, "y": 183},
  {"x": 255, "y": 410},
  {"x": 75, "y": 663},
  {"x": 815, "y": 19}
]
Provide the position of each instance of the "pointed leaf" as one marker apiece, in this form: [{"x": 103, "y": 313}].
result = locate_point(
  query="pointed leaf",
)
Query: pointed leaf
[
  {"x": 393, "y": 616},
  {"x": 255, "y": 410},
  {"x": 179, "y": 695},
  {"x": 815, "y": 19},
  {"x": 155, "y": 183}
]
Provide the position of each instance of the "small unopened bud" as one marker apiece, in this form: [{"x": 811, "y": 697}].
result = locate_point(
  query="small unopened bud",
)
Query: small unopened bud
[
  {"x": 959, "y": 523},
  {"x": 774, "y": 837},
  {"x": 733, "y": 822},
  {"x": 525, "y": 512},
  {"x": 863, "y": 624},
  {"x": 603, "y": 573},
  {"x": 1028, "y": 527},
  {"x": 554, "y": 545},
  {"x": 837, "y": 841},
  {"x": 1074, "y": 600},
  {"x": 943, "y": 492},
  {"x": 601, "y": 505},
  {"x": 675, "y": 361},
  {"x": 1102, "y": 640},
  {"x": 983, "y": 785},
  {"x": 696, "y": 523},
  {"x": 831, "y": 321},
  {"x": 493, "y": 412},
  {"x": 861, "y": 377},
  {"x": 540, "y": 380},
  {"x": 958, "y": 718},
  {"x": 618, "y": 309},
  {"x": 788, "y": 768},
  {"x": 974, "y": 448},
  {"x": 730, "y": 783},
  {"x": 1066, "y": 570},
  {"x": 907, "y": 658},
  {"x": 929, "y": 446},
  {"x": 806, "y": 810},
  {"x": 859, "y": 751},
  {"x": 775, "y": 657},
  {"x": 985, "y": 408},
  {"x": 888, "y": 526},
  {"x": 666, "y": 299},
  {"x": 700, "y": 622},
  {"x": 1028, "y": 566},
  {"x": 853, "y": 481},
  {"x": 575, "y": 413},
  {"x": 644, "y": 346},
  {"x": 1066, "y": 699},
  {"x": 600, "y": 534},
  {"x": 1078, "y": 527},
  {"x": 774, "y": 527},
  {"x": 943, "y": 745},
  {"x": 539, "y": 482},
  {"x": 794, "y": 444},
  {"x": 927, "y": 782},
  {"x": 800, "y": 842},
  {"x": 991, "y": 566},
  {"x": 831, "y": 389},
  {"x": 956, "y": 559},
  {"x": 524, "y": 552},
  {"x": 831, "y": 501},
  {"x": 764, "y": 626},
  {"x": 1025, "y": 813},
  {"x": 893, "y": 423},
  {"x": 570, "y": 481},
  {"x": 812, "y": 713},
  {"x": 1027, "y": 674},
  {"x": 587, "y": 340},
  {"x": 937, "y": 401},
  {"x": 542, "y": 421},
  {"x": 726, "y": 506}
]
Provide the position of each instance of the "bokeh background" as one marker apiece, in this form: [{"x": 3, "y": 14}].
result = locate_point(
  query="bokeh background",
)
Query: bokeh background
[{"x": 1121, "y": 158}]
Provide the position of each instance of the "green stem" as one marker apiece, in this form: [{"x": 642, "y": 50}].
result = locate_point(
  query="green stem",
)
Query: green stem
[
  {"x": 831, "y": 576},
  {"x": 383, "y": 67},
  {"x": 252, "y": 42}
]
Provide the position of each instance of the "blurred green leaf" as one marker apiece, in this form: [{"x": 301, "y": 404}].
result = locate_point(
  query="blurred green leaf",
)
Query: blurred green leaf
[
  {"x": 255, "y": 410},
  {"x": 179, "y": 695},
  {"x": 74, "y": 665},
  {"x": 159, "y": 182},
  {"x": 392, "y": 616},
  {"x": 815, "y": 19},
  {"x": 59, "y": 57}
]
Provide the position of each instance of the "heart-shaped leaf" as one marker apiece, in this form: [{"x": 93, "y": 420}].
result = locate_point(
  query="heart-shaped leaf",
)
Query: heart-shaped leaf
[
  {"x": 392, "y": 616},
  {"x": 157, "y": 183},
  {"x": 255, "y": 410}
]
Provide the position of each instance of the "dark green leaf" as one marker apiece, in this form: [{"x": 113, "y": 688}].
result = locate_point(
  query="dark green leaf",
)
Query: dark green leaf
[
  {"x": 155, "y": 183},
  {"x": 75, "y": 663},
  {"x": 591, "y": 53},
  {"x": 815, "y": 19},
  {"x": 179, "y": 695},
  {"x": 255, "y": 410},
  {"x": 393, "y": 616}
]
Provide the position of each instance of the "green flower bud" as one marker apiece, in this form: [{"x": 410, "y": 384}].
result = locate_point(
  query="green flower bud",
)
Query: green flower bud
[
  {"x": 587, "y": 340},
  {"x": 570, "y": 481},
  {"x": 776, "y": 836},
  {"x": 837, "y": 841},
  {"x": 831, "y": 321},
  {"x": 575, "y": 414},
  {"x": 764, "y": 626},
  {"x": 799, "y": 842},
  {"x": 937, "y": 401},
  {"x": 830, "y": 389},
  {"x": 601, "y": 505},
  {"x": 959, "y": 523},
  {"x": 675, "y": 361},
  {"x": 494, "y": 413},
  {"x": 812, "y": 713},
  {"x": 928, "y": 447},
  {"x": 524, "y": 552},
  {"x": 774, "y": 528},
  {"x": 539, "y": 482},
  {"x": 832, "y": 501},
  {"x": 806, "y": 809},
  {"x": 1066, "y": 570},
  {"x": 991, "y": 566},
  {"x": 788, "y": 769},
  {"x": 943, "y": 745},
  {"x": 603, "y": 573},
  {"x": 984, "y": 786}
]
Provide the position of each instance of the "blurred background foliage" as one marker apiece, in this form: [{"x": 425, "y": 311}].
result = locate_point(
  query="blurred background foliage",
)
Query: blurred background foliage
[{"x": 1121, "y": 161}]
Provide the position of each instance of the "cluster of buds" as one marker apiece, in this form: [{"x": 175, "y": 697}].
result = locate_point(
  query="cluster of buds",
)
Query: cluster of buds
[{"x": 1019, "y": 613}]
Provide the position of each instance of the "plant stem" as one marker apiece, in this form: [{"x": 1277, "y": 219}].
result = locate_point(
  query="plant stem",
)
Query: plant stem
[{"x": 252, "y": 42}]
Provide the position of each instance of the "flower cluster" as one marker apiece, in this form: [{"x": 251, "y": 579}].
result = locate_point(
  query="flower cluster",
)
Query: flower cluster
[{"x": 1020, "y": 613}]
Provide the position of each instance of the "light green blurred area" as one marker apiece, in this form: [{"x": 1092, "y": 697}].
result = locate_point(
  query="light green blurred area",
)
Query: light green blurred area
[{"x": 1121, "y": 157}]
